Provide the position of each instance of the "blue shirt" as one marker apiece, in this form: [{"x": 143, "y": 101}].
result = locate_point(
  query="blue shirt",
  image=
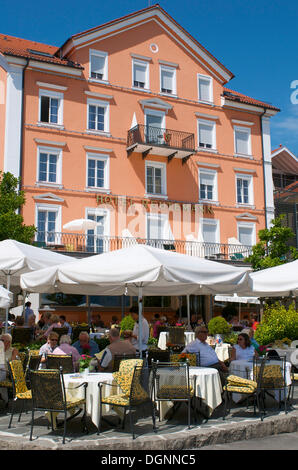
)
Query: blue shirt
[{"x": 94, "y": 349}]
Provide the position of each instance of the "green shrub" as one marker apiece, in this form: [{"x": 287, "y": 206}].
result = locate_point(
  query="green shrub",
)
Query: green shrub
[
  {"x": 127, "y": 323},
  {"x": 218, "y": 325},
  {"x": 231, "y": 338},
  {"x": 152, "y": 341},
  {"x": 277, "y": 323}
]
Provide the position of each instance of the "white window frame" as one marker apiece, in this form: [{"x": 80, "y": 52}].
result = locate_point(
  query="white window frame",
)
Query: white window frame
[
  {"x": 163, "y": 167},
  {"x": 210, "y": 79},
  {"x": 94, "y": 52},
  {"x": 214, "y": 222},
  {"x": 106, "y": 106},
  {"x": 106, "y": 214},
  {"x": 147, "y": 79},
  {"x": 59, "y": 97},
  {"x": 57, "y": 152},
  {"x": 213, "y": 173},
  {"x": 172, "y": 70},
  {"x": 155, "y": 112},
  {"x": 49, "y": 208},
  {"x": 212, "y": 125},
  {"x": 249, "y": 178},
  {"x": 106, "y": 160},
  {"x": 247, "y": 225},
  {"x": 165, "y": 223},
  {"x": 247, "y": 130}
]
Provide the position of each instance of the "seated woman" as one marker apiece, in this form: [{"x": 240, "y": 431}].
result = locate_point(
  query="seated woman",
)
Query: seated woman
[{"x": 243, "y": 350}]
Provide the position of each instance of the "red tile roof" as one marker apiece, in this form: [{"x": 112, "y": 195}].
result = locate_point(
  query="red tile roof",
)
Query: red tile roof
[
  {"x": 10, "y": 45},
  {"x": 236, "y": 96}
]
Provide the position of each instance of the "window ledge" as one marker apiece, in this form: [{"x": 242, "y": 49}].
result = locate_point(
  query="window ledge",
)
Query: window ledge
[
  {"x": 94, "y": 80},
  {"x": 49, "y": 185},
  {"x": 156, "y": 196},
  {"x": 243, "y": 155},
  {"x": 210, "y": 103},
  {"x": 208, "y": 201},
  {"x": 97, "y": 190},
  {"x": 102, "y": 133},
  {"x": 170, "y": 95},
  {"x": 49, "y": 124},
  {"x": 145, "y": 90},
  {"x": 202, "y": 149},
  {"x": 245, "y": 206}
]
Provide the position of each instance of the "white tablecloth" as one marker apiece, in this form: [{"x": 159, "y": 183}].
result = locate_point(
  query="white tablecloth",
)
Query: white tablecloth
[
  {"x": 222, "y": 351},
  {"x": 245, "y": 369},
  {"x": 92, "y": 399},
  {"x": 208, "y": 387},
  {"x": 163, "y": 338}
]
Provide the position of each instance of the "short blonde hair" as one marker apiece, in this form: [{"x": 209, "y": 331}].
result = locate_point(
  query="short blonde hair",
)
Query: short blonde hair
[
  {"x": 7, "y": 337},
  {"x": 53, "y": 335},
  {"x": 84, "y": 333},
  {"x": 65, "y": 339},
  {"x": 54, "y": 318}
]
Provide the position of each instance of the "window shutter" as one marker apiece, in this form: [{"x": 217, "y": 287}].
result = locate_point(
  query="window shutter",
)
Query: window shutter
[
  {"x": 209, "y": 233},
  {"x": 166, "y": 80},
  {"x": 245, "y": 235},
  {"x": 205, "y": 134},
  {"x": 97, "y": 64},
  {"x": 139, "y": 73},
  {"x": 242, "y": 142},
  {"x": 204, "y": 89}
]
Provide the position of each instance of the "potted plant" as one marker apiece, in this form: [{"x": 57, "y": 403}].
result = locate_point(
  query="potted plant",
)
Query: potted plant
[
  {"x": 167, "y": 137},
  {"x": 84, "y": 363},
  {"x": 219, "y": 327}
]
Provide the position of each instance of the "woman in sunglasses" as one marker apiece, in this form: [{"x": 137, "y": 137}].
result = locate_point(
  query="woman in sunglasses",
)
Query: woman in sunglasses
[{"x": 243, "y": 350}]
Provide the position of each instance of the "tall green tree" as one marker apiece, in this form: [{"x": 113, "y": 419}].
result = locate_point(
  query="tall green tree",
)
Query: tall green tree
[
  {"x": 273, "y": 248},
  {"x": 11, "y": 201}
]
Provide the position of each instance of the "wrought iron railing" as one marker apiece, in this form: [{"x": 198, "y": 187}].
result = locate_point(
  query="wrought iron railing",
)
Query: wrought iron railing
[
  {"x": 92, "y": 244},
  {"x": 156, "y": 136}
]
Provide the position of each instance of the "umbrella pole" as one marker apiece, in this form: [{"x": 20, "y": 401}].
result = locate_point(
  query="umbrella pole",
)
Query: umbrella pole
[
  {"x": 140, "y": 302},
  {"x": 6, "y": 313},
  {"x": 188, "y": 311},
  {"x": 88, "y": 310}
]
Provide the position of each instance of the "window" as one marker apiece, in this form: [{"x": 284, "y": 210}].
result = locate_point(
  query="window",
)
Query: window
[
  {"x": 158, "y": 228},
  {"x": 156, "y": 178},
  {"x": 246, "y": 233},
  {"x": 244, "y": 186},
  {"x": 97, "y": 239},
  {"x": 98, "y": 116},
  {"x": 97, "y": 171},
  {"x": 206, "y": 135},
  {"x": 155, "y": 126},
  {"x": 205, "y": 92},
  {"x": 140, "y": 74},
  {"x": 208, "y": 186},
  {"x": 48, "y": 222},
  {"x": 242, "y": 141},
  {"x": 50, "y": 107},
  {"x": 209, "y": 229},
  {"x": 167, "y": 80},
  {"x": 98, "y": 65},
  {"x": 49, "y": 162}
]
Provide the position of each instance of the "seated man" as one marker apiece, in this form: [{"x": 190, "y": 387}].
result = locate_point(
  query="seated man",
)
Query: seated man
[
  {"x": 85, "y": 345},
  {"x": 117, "y": 346},
  {"x": 208, "y": 357}
]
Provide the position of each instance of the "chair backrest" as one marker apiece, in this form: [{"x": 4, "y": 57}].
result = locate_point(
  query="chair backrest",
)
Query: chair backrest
[
  {"x": 140, "y": 389},
  {"x": 176, "y": 335},
  {"x": 158, "y": 355},
  {"x": 121, "y": 357},
  {"x": 192, "y": 358},
  {"x": 62, "y": 330},
  {"x": 33, "y": 360},
  {"x": 161, "y": 328},
  {"x": 171, "y": 380},
  {"x": 21, "y": 334},
  {"x": 270, "y": 374},
  {"x": 55, "y": 361},
  {"x": 125, "y": 374},
  {"x": 48, "y": 391},
  {"x": 17, "y": 376}
]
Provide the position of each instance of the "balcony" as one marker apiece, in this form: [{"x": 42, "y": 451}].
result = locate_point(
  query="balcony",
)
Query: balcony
[
  {"x": 81, "y": 245},
  {"x": 158, "y": 141}
]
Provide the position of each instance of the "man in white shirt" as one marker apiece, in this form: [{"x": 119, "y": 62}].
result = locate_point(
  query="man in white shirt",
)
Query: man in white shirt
[
  {"x": 208, "y": 357},
  {"x": 135, "y": 333}
]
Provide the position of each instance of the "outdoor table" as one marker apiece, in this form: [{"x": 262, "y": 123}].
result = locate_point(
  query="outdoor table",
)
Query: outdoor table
[
  {"x": 222, "y": 351},
  {"x": 208, "y": 387},
  {"x": 290, "y": 353},
  {"x": 163, "y": 338},
  {"x": 92, "y": 396},
  {"x": 244, "y": 369}
]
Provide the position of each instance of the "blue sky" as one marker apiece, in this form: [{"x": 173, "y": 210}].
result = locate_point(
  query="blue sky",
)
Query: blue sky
[{"x": 255, "y": 39}]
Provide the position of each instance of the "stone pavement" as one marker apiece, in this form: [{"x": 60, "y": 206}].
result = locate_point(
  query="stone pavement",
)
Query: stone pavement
[{"x": 172, "y": 434}]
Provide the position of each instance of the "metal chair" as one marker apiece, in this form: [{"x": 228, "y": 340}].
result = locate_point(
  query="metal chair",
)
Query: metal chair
[
  {"x": 121, "y": 357},
  {"x": 176, "y": 336},
  {"x": 76, "y": 332},
  {"x": 134, "y": 384},
  {"x": 157, "y": 355},
  {"x": 19, "y": 387},
  {"x": 160, "y": 329},
  {"x": 21, "y": 334},
  {"x": 62, "y": 330},
  {"x": 170, "y": 382},
  {"x": 55, "y": 361},
  {"x": 49, "y": 394}
]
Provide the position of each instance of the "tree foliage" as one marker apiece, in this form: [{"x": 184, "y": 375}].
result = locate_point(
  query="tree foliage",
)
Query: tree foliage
[
  {"x": 11, "y": 200},
  {"x": 278, "y": 322},
  {"x": 273, "y": 249}
]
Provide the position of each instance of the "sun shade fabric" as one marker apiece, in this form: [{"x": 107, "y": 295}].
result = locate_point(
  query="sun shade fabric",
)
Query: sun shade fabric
[{"x": 158, "y": 272}]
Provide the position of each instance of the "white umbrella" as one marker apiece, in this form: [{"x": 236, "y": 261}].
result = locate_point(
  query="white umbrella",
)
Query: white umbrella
[
  {"x": 236, "y": 298},
  {"x": 139, "y": 270},
  {"x": 17, "y": 258},
  {"x": 80, "y": 224},
  {"x": 6, "y": 297},
  {"x": 279, "y": 281}
]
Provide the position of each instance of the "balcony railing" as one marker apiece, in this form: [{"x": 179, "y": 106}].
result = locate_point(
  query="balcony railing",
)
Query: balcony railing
[
  {"x": 160, "y": 141},
  {"x": 95, "y": 244}
]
